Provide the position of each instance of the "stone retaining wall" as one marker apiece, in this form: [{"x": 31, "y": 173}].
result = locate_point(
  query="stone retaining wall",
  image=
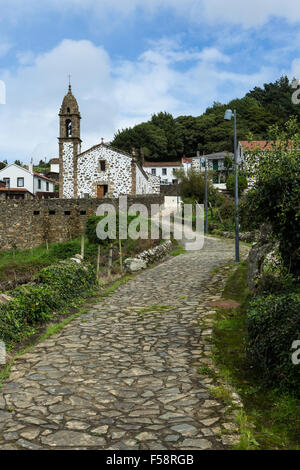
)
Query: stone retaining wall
[
  {"x": 247, "y": 237},
  {"x": 28, "y": 223},
  {"x": 147, "y": 257}
]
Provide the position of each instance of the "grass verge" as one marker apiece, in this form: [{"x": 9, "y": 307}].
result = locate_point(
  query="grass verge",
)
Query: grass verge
[{"x": 270, "y": 419}]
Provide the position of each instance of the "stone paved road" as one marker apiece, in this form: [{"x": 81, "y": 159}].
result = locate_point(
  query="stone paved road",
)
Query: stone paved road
[{"x": 125, "y": 375}]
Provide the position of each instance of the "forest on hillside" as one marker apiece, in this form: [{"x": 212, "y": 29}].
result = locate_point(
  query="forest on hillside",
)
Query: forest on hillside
[{"x": 167, "y": 138}]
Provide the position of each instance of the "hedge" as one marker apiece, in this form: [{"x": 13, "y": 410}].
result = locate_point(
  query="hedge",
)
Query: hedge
[
  {"x": 59, "y": 286},
  {"x": 273, "y": 324}
]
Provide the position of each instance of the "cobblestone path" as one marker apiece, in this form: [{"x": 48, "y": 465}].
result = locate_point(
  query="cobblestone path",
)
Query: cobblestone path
[{"x": 126, "y": 374}]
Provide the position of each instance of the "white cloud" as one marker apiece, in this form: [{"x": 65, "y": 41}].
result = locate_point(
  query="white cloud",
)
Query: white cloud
[
  {"x": 244, "y": 12},
  {"x": 111, "y": 94},
  {"x": 5, "y": 47},
  {"x": 250, "y": 13}
]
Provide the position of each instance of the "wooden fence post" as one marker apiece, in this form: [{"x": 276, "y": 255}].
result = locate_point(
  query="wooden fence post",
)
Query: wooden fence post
[
  {"x": 110, "y": 258},
  {"x": 120, "y": 252},
  {"x": 82, "y": 245},
  {"x": 98, "y": 260}
]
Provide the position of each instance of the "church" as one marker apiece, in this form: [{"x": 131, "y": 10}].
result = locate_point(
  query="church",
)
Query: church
[{"x": 101, "y": 171}]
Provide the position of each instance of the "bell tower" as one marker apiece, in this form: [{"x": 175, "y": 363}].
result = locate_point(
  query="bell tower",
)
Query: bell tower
[{"x": 69, "y": 145}]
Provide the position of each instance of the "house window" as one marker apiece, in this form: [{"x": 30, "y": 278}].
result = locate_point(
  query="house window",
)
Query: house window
[
  {"x": 20, "y": 183},
  {"x": 153, "y": 171},
  {"x": 164, "y": 171},
  {"x": 102, "y": 165},
  {"x": 7, "y": 182},
  {"x": 39, "y": 184},
  {"x": 47, "y": 186},
  {"x": 215, "y": 165}
]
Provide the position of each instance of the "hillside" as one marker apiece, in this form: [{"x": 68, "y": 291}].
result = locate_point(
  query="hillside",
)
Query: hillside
[{"x": 167, "y": 138}]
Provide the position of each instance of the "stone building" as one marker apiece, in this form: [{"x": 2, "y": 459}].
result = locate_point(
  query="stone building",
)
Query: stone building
[
  {"x": 101, "y": 170},
  {"x": 215, "y": 163}
]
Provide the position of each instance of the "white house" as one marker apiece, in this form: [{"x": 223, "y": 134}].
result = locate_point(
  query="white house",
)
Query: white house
[
  {"x": 15, "y": 176},
  {"x": 165, "y": 171},
  {"x": 54, "y": 165},
  {"x": 186, "y": 163}
]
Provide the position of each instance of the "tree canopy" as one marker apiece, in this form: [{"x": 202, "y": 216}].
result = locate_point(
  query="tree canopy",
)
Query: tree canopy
[{"x": 167, "y": 138}]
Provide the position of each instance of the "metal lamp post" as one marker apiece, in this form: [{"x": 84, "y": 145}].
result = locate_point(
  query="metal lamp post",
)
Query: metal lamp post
[
  {"x": 228, "y": 116},
  {"x": 204, "y": 160}
]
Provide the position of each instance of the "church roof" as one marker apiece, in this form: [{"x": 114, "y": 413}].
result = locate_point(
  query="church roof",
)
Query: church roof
[{"x": 69, "y": 104}]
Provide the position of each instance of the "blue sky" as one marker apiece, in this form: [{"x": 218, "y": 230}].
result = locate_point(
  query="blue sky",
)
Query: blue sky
[{"x": 131, "y": 58}]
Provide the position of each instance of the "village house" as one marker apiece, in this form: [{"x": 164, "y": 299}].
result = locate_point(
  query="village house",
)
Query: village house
[
  {"x": 165, "y": 171},
  {"x": 215, "y": 163},
  {"x": 14, "y": 193},
  {"x": 53, "y": 173},
  {"x": 54, "y": 165},
  {"x": 22, "y": 180},
  {"x": 99, "y": 171},
  {"x": 256, "y": 148}
]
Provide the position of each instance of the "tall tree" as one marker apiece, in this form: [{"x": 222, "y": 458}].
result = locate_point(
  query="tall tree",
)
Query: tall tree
[{"x": 172, "y": 130}]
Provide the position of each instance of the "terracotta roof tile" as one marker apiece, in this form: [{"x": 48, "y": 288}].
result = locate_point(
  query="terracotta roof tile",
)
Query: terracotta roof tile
[
  {"x": 39, "y": 175},
  {"x": 260, "y": 144}
]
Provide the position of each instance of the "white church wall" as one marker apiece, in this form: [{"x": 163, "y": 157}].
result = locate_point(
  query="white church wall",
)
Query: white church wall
[
  {"x": 117, "y": 175},
  {"x": 142, "y": 183}
]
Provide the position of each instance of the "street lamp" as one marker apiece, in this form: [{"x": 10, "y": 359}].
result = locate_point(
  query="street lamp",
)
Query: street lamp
[
  {"x": 228, "y": 116},
  {"x": 204, "y": 162}
]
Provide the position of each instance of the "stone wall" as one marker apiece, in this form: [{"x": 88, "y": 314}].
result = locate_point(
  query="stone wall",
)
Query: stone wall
[
  {"x": 169, "y": 189},
  {"x": 154, "y": 184},
  {"x": 147, "y": 257},
  {"x": 28, "y": 223},
  {"x": 117, "y": 175}
]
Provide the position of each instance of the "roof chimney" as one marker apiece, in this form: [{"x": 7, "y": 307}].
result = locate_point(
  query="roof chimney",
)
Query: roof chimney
[{"x": 30, "y": 167}]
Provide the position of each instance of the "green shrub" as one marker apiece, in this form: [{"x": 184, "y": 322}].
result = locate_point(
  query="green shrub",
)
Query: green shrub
[
  {"x": 59, "y": 286},
  {"x": 242, "y": 183},
  {"x": 273, "y": 283},
  {"x": 276, "y": 193},
  {"x": 273, "y": 324},
  {"x": 227, "y": 209},
  {"x": 192, "y": 186},
  {"x": 68, "y": 279},
  {"x": 219, "y": 199},
  {"x": 250, "y": 217}
]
